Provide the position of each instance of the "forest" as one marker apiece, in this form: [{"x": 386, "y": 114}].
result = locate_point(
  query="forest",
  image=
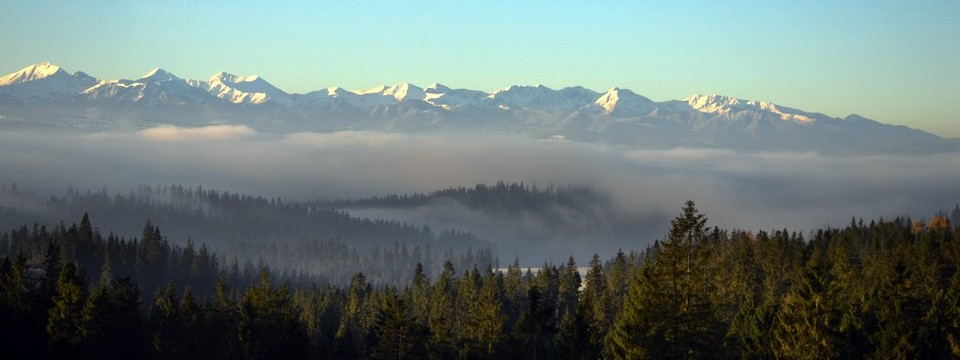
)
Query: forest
[
  {"x": 331, "y": 239},
  {"x": 298, "y": 237},
  {"x": 883, "y": 289}
]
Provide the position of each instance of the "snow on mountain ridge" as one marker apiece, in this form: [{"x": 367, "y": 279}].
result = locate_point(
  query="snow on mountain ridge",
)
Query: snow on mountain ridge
[
  {"x": 447, "y": 98},
  {"x": 44, "y": 81},
  {"x": 374, "y": 90},
  {"x": 157, "y": 75},
  {"x": 405, "y": 91},
  {"x": 624, "y": 102},
  {"x": 399, "y": 92},
  {"x": 32, "y": 73},
  {"x": 339, "y": 95},
  {"x": 250, "y": 89},
  {"x": 540, "y": 97},
  {"x": 157, "y": 86},
  {"x": 720, "y": 105},
  {"x": 436, "y": 88},
  {"x": 231, "y": 78},
  {"x": 617, "y": 116}
]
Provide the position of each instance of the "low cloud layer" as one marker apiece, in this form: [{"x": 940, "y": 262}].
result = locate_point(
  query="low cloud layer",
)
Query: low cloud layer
[
  {"x": 800, "y": 191},
  {"x": 207, "y": 133}
]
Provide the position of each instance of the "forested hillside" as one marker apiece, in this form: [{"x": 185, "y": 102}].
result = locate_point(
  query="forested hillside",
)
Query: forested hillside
[
  {"x": 308, "y": 238},
  {"x": 503, "y": 220},
  {"x": 512, "y": 197},
  {"x": 522, "y": 220},
  {"x": 877, "y": 289}
]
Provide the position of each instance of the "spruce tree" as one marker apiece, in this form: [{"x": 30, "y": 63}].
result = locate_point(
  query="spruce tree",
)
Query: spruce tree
[
  {"x": 65, "y": 325},
  {"x": 808, "y": 321},
  {"x": 167, "y": 328},
  {"x": 592, "y": 305},
  {"x": 488, "y": 314},
  {"x": 667, "y": 312},
  {"x": 396, "y": 334}
]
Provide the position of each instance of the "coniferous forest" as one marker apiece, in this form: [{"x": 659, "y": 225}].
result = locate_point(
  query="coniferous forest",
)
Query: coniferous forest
[{"x": 877, "y": 289}]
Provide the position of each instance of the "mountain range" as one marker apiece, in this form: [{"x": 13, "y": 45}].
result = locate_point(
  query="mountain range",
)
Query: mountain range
[{"x": 46, "y": 96}]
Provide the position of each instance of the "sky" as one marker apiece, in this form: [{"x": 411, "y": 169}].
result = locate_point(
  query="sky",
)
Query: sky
[{"x": 893, "y": 61}]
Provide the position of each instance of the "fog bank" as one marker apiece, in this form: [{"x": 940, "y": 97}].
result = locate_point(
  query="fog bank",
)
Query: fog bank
[{"x": 800, "y": 191}]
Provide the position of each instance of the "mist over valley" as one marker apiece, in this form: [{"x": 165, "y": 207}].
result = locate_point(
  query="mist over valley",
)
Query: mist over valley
[
  {"x": 479, "y": 180},
  {"x": 628, "y": 194}
]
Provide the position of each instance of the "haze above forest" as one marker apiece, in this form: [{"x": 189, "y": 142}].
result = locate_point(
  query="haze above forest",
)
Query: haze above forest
[{"x": 800, "y": 191}]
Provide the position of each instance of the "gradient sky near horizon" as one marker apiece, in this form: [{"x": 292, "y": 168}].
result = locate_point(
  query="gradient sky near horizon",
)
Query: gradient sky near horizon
[{"x": 893, "y": 61}]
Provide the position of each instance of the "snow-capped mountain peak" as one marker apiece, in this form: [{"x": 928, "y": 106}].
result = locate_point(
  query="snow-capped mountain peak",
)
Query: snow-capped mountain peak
[
  {"x": 520, "y": 96},
  {"x": 520, "y": 89},
  {"x": 44, "y": 81},
  {"x": 399, "y": 92},
  {"x": 158, "y": 75},
  {"x": 339, "y": 95},
  {"x": 436, "y": 88},
  {"x": 155, "y": 88},
  {"x": 447, "y": 98},
  {"x": 720, "y": 104},
  {"x": 250, "y": 89},
  {"x": 617, "y": 101},
  {"x": 713, "y": 104},
  {"x": 608, "y": 101},
  {"x": 335, "y": 90},
  {"x": 618, "y": 116},
  {"x": 374, "y": 90},
  {"x": 405, "y": 91},
  {"x": 32, "y": 73},
  {"x": 540, "y": 97},
  {"x": 226, "y": 77}
]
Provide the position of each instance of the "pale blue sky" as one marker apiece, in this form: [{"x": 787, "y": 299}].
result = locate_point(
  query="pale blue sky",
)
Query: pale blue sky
[{"x": 893, "y": 61}]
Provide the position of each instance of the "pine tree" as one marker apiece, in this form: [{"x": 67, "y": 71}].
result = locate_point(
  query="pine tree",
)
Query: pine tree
[
  {"x": 420, "y": 295},
  {"x": 536, "y": 329},
  {"x": 443, "y": 313},
  {"x": 65, "y": 325},
  {"x": 350, "y": 340},
  {"x": 52, "y": 265},
  {"x": 22, "y": 321},
  {"x": 514, "y": 294},
  {"x": 488, "y": 314},
  {"x": 467, "y": 326},
  {"x": 573, "y": 339},
  {"x": 14, "y": 285},
  {"x": 592, "y": 305},
  {"x": 668, "y": 313},
  {"x": 167, "y": 329},
  {"x": 396, "y": 334},
  {"x": 221, "y": 324},
  {"x": 569, "y": 288},
  {"x": 268, "y": 326},
  {"x": 808, "y": 321},
  {"x": 113, "y": 322}
]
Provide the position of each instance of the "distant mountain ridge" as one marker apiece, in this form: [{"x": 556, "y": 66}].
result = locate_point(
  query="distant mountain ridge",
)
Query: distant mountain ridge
[{"x": 44, "y": 95}]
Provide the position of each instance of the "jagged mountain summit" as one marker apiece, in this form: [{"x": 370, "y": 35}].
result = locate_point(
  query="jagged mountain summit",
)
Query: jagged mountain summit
[
  {"x": 541, "y": 98},
  {"x": 624, "y": 102},
  {"x": 250, "y": 89},
  {"x": 44, "y": 81},
  {"x": 156, "y": 87},
  {"x": 44, "y": 95}
]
